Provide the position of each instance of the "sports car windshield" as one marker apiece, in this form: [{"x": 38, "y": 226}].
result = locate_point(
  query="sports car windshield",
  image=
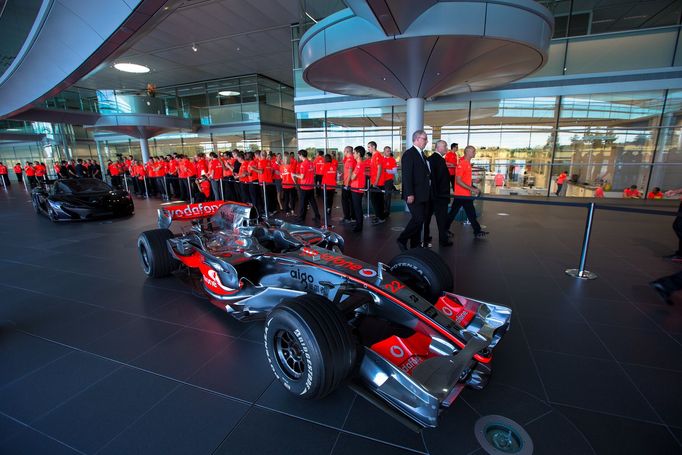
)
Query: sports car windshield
[{"x": 80, "y": 186}]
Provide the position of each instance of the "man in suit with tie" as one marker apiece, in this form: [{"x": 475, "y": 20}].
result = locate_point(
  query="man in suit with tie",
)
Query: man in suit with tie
[
  {"x": 416, "y": 189},
  {"x": 440, "y": 195}
]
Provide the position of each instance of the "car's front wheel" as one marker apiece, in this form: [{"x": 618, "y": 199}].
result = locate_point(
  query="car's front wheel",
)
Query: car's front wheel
[
  {"x": 309, "y": 346},
  {"x": 155, "y": 257}
]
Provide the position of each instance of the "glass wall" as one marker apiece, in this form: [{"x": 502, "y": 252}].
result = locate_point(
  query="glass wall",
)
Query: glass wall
[{"x": 612, "y": 140}]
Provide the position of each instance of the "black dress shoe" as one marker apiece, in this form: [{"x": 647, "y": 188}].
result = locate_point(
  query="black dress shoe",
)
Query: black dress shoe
[
  {"x": 448, "y": 243},
  {"x": 402, "y": 246}
]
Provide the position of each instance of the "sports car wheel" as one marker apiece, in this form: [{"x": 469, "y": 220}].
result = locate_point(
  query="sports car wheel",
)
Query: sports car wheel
[
  {"x": 309, "y": 346},
  {"x": 156, "y": 260},
  {"x": 36, "y": 207},
  {"x": 424, "y": 271}
]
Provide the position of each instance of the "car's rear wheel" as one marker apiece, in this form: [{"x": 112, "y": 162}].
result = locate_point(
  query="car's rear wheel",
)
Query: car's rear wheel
[
  {"x": 309, "y": 346},
  {"x": 155, "y": 257},
  {"x": 424, "y": 271},
  {"x": 34, "y": 202}
]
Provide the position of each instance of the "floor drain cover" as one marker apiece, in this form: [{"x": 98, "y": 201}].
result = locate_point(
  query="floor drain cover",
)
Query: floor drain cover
[{"x": 499, "y": 435}]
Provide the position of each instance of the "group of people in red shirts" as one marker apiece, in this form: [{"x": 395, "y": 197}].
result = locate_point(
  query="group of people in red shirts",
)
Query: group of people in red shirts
[
  {"x": 288, "y": 182},
  {"x": 36, "y": 173}
]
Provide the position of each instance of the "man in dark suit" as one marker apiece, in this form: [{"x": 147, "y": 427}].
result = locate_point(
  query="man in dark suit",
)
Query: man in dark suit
[
  {"x": 416, "y": 189},
  {"x": 440, "y": 195}
]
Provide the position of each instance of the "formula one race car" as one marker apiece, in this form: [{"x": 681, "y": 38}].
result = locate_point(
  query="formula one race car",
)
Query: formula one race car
[
  {"x": 392, "y": 331},
  {"x": 81, "y": 199}
]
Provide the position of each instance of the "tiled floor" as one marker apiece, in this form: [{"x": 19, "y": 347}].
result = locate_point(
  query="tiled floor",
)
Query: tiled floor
[{"x": 94, "y": 358}]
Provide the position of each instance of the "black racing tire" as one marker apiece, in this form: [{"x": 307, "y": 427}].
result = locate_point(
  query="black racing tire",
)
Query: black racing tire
[
  {"x": 309, "y": 346},
  {"x": 424, "y": 271},
  {"x": 155, "y": 257},
  {"x": 34, "y": 202}
]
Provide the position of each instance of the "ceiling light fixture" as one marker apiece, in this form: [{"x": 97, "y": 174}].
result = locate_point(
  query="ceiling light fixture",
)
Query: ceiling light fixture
[
  {"x": 131, "y": 68},
  {"x": 228, "y": 93},
  {"x": 194, "y": 47}
]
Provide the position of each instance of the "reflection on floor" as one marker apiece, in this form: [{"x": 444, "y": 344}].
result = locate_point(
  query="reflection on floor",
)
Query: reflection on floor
[{"x": 94, "y": 358}]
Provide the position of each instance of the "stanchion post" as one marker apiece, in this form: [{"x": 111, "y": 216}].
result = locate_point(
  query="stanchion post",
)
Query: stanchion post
[
  {"x": 146, "y": 192},
  {"x": 125, "y": 182},
  {"x": 265, "y": 201},
  {"x": 580, "y": 272},
  {"x": 190, "y": 190},
  {"x": 222, "y": 190},
  {"x": 369, "y": 188},
  {"x": 324, "y": 204},
  {"x": 4, "y": 185}
]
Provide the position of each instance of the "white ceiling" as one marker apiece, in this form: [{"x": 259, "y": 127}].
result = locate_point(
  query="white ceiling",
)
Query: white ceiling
[{"x": 233, "y": 37}]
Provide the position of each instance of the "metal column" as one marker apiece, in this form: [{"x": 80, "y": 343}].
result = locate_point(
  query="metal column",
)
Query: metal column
[
  {"x": 144, "y": 146},
  {"x": 415, "y": 118}
]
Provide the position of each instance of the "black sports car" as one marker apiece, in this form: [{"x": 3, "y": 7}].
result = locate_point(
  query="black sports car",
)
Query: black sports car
[{"x": 81, "y": 199}]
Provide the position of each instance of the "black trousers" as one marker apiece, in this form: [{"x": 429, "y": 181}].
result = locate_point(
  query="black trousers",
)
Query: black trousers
[
  {"x": 216, "y": 188},
  {"x": 469, "y": 209},
  {"x": 452, "y": 182},
  {"x": 329, "y": 198},
  {"x": 271, "y": 193},
  {"x": 414, "y": 227},
  {"x": 289, "y": 201},
  {"x": 677, "y": 227},
  {"x": 244, "y": 192},
  {"x": 377, "y": 198},
  {"x": 173, "y": 185},
  {"x": 5, "y": 177},
  {"x": 32, "y": 182},
  {"x": 255, "y": 196},
  {"x": 347, "y": 204},
  {"x": 20, "y": 178},
  {"x": 357, "y": 210},
  {"x": 438, "y": 207},
  {"x": 318, "y": 184},
  {"x": 389, "y": 187},
  {"x": 307, "y": 197},
  {"x": 558, "y": 188},
  {"x": 228, "y": 188}
]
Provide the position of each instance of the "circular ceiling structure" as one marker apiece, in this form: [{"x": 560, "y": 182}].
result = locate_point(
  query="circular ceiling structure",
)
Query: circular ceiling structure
[{"x": 425, "y": 49}]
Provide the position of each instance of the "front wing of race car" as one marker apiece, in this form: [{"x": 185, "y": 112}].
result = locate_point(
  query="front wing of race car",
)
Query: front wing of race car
[{"x": 417, "y": 378}]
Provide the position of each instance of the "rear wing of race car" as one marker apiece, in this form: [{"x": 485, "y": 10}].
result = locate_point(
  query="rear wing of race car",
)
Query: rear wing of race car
[{"x": 186, "y": 212}]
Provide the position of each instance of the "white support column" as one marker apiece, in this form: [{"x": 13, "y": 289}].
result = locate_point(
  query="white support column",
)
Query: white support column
[
  {"x": 144, "y": 147},
  {"x": 415, "y": 119},
  {"x": 101, "y": 161}
]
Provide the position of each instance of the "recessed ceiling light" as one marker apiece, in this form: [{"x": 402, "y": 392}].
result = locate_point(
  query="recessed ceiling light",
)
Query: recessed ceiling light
[
  {"x": 131, "y": 68},
  {"x": 228, "y": 93}
]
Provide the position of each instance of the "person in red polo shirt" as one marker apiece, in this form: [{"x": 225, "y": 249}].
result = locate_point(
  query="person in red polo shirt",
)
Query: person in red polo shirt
[
  {"x": 215, "y": 175},
  {"x": 30, "y": 174},
  {"x": 3, "y": 174},
  {"x": 41, "y": 173},
  {"x": 288, "y": 169},
  {"x": 358, "y": 185},
  {"x": 115, "y": 173},
  {"x": 319, "y": 171},
  {"x": 390, "y": 171},
  {"x": 255, "y": 189},
  {"x": 346, "y": 193},
  {"x": 329, "y": 181},
  {"x": 306, "y": 180},
  {"x": 560, "y": 182},
  {"x": 451, "y": 159},
  {"x": 19, "y": 173},
  {"x": 632, "y": 193},
  {"x": 244, "y": 177},
  {"x": 376, "y": 181},
  {"x": 655, "y": 194},
  {"x": 464, "y": 187}
]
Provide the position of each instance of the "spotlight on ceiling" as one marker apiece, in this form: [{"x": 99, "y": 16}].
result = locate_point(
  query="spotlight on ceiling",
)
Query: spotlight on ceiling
[
  {"x": 131, "y": 68},
  {"x": 228, "y": 93},
  {"x": 194, "y": 47}
]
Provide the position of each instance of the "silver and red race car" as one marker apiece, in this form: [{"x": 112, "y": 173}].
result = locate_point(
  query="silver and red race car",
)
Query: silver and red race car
[{"x": 394, "y": 332}]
